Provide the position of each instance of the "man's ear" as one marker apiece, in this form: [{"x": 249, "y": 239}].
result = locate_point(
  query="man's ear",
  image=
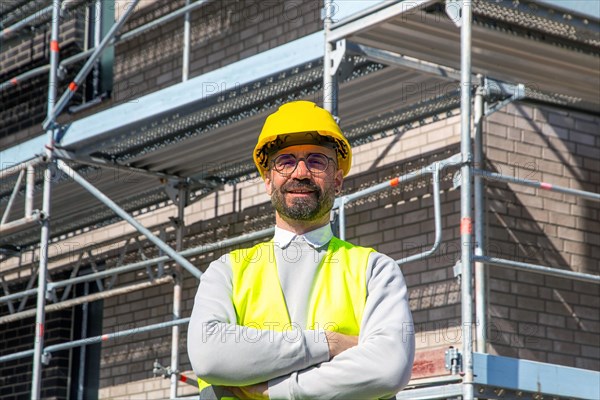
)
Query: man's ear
[
  {"x": 339, "y": 181},
  {"x": 268, "y": 182}
]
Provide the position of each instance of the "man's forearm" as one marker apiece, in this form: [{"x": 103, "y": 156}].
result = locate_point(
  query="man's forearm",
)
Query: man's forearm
[
  {"x": 367, "y": 371},
  {"x": 229, "y": 354}
]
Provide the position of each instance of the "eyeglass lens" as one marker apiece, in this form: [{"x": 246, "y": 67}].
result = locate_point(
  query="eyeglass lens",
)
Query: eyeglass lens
[{"x": 287, "y": 163}]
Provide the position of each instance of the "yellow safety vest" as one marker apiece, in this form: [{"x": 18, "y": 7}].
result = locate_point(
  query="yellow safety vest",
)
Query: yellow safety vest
[{"x": 337, "y": 298}]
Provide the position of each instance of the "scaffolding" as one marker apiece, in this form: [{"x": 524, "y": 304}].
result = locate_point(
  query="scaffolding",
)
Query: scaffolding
[
  {"x": 349, "y": 46},
  {"x": 482, "y": 375}
]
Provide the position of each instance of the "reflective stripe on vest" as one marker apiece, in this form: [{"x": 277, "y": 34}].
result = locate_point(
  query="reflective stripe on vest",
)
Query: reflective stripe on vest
[{"x": 337, "y": 298}]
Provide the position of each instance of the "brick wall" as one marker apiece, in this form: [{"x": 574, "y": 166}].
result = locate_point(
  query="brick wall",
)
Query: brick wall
[
  {"x": 60, "y": 374},
  {"x": 15, "y": 376},
  {"x": 541, "y": 318}
]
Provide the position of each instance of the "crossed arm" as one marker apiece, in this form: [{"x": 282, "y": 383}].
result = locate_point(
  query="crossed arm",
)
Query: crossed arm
[
  {"x": 307, "y": 364},
  {"x": 337, "y": 343}
]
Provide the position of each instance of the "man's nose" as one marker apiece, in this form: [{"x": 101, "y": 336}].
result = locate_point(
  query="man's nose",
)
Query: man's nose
[{"x": 301, "y": 170}]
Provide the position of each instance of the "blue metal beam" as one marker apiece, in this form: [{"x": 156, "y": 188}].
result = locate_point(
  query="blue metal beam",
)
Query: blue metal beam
[
  {"x": 170, "y": 99},
  {"x": 536, "y": 377}
]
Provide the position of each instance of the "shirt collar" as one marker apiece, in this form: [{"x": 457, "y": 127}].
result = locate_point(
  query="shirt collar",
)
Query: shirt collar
[{"x": 316, "y": 238}]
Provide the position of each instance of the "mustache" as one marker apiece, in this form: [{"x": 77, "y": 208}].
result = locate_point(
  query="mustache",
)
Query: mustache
[{"x": 301, "y": 185}]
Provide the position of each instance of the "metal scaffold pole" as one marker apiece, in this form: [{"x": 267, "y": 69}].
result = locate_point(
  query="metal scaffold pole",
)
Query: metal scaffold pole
[
  {"x": 177, "y": 289},
  {"x": 185, "y": 62},
  {"x": 329, "y": 95},
  {"x": 36, "y": 376},
  {"x": 466, "y": 222},
  {"x": 480, "y": 268}
]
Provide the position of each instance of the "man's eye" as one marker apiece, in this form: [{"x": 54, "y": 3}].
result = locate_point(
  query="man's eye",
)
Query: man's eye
[
  {"x": 286, "y": 162},
  {"x": 317, "y": 162}
]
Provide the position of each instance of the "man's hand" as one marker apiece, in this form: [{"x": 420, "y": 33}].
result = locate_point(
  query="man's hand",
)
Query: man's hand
[
  {"x": 259, "y": 391},
  {"x": 338, "y": 342}
]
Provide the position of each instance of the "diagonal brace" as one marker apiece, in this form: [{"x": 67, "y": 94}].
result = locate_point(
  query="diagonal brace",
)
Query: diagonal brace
[{"x": 132, "y": 221}]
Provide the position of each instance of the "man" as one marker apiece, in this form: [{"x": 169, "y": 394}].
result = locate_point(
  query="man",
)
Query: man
[{"x": 305, "y": 315}]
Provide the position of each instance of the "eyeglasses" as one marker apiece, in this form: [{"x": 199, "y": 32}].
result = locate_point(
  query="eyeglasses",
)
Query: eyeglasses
[{"x": 316, "y": 163}]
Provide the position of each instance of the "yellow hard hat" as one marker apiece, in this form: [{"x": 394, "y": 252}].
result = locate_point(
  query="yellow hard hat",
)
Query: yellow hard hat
[{"x": 300, "y": 122}]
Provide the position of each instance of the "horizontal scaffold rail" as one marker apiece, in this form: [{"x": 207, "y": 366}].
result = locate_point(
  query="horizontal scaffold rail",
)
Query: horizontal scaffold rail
[
  {"x": 434, "y": 170},
  {"x": 493, "y": 176},
  {"x": 539, "y": 269},
  {"x": 88, "y": 298},
  {"x": 44, "y": 14},
  {"x": 14, "y": 169},
  {"x": 96, "y": 339}
]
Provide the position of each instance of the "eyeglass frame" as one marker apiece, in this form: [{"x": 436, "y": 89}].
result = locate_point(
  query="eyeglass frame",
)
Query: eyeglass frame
[{"x": 298, "y": 159}]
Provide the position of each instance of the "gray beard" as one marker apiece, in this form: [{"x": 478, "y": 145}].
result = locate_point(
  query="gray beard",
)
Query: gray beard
[{"x": 308, "y": 209}]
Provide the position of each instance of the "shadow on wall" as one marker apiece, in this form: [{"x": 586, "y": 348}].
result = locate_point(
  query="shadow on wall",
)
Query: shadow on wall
[
  {"x": 573, "y": 140},
  {"x": 533, "y": 316}
]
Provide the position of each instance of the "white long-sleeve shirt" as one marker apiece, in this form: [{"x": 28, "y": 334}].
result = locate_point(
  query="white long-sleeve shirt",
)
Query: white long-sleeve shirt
[{"x": 296, "y": 363}]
